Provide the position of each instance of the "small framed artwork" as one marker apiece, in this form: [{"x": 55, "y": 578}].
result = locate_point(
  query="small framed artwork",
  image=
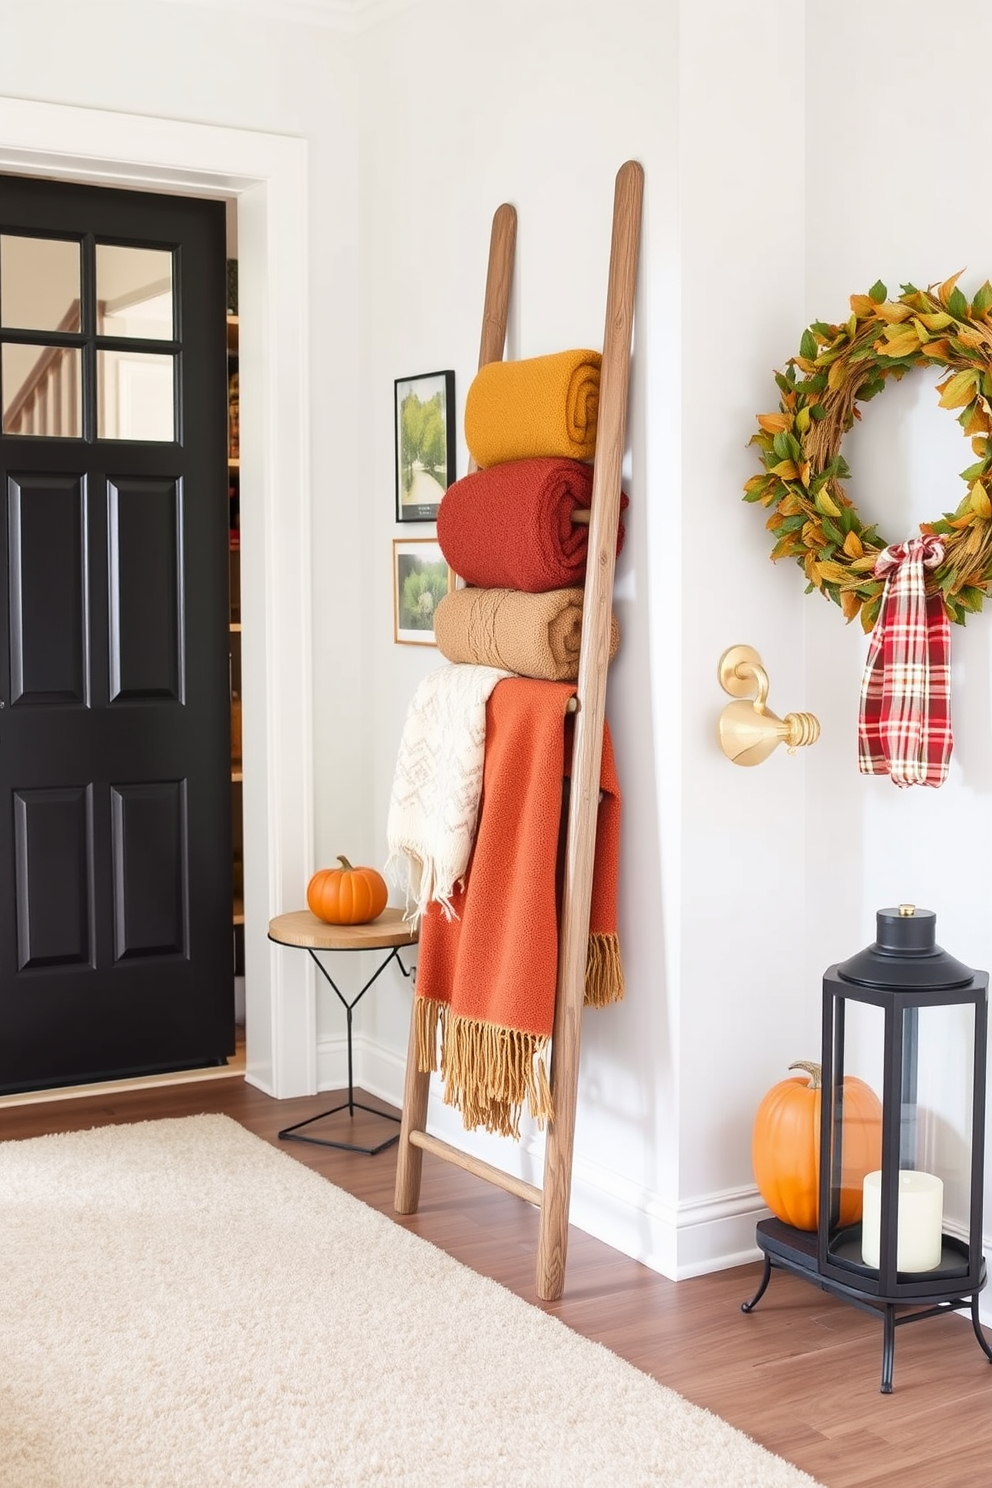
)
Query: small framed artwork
[
  {"x": 425, "y": 443},
  {"x": 421, "y": 579}
]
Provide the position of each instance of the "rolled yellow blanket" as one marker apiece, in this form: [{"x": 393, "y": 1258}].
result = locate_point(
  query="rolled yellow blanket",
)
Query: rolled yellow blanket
[
  {"x": 534, "y": 635},
  {"x": 544, "y": 405}
]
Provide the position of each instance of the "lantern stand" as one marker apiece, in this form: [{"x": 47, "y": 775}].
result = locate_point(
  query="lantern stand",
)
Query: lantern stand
[{"x": 902, "y": 973}]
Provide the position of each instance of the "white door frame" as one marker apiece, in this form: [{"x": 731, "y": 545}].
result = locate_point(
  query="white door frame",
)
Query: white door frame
[{"x": 267, "y": 175}]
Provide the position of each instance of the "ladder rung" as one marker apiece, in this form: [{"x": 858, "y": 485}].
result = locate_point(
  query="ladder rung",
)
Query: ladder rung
[{"x": 518, "y": 1186}]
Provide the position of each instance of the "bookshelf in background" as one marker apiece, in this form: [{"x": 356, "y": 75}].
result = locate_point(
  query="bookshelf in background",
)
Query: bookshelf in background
[{"x": 234, "y": 502}]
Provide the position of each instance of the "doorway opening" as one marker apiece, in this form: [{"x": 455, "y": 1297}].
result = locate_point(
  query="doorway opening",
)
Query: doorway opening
[{"x": 266, "y": 177}]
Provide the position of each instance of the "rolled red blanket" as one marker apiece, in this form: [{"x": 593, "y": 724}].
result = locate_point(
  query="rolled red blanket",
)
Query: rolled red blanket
[{"x": 510, "y": 527}]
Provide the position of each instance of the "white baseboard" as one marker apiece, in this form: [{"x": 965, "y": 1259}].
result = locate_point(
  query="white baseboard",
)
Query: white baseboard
[
  {"x": 378, "y": 1071},
  {"x": 699, "y": 1236},
  {"x": 712, "y": 1232}
]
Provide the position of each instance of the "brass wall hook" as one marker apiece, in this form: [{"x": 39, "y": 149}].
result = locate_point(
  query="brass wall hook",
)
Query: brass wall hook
[{"x": 750, "y": 731}]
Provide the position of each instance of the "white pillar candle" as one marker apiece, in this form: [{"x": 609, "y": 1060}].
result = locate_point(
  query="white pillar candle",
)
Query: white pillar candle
[{"x": 921, "y": 1220}]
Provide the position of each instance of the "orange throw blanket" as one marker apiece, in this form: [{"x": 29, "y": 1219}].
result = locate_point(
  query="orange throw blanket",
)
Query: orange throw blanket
[
  {"x": 486, "y": 981},
  {"x": 546, "y": 405}
]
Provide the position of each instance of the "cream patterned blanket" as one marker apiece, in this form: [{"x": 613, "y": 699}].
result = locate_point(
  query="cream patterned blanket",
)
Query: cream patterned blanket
[{"x": 434, "y": 806}]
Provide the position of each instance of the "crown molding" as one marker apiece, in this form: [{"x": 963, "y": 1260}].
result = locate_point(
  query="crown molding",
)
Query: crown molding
[{"x": 329, "y": 15}]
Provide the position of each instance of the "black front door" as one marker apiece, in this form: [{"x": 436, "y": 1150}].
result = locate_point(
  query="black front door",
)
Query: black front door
[{"x": 115, "y": 810}]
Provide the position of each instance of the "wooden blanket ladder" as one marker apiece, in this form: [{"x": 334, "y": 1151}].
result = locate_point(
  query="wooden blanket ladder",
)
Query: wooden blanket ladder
[{"x": 553, "y": 1197}]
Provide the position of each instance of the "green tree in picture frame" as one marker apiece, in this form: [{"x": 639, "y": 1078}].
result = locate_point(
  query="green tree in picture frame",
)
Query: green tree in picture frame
[
  {"x": 433, "y": 443},
  {"x": 422, "y": 588}
]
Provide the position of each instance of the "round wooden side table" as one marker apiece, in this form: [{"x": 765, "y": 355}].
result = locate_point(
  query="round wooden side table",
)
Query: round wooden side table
[{"x": 389, "y": 933}]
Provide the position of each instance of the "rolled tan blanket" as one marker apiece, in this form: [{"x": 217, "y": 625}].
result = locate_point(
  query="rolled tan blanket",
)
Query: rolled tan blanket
[
  {"x": 534, "y": 635},
  {"x": 544, "y": 405},
  {"x": 511, "y": 526}
]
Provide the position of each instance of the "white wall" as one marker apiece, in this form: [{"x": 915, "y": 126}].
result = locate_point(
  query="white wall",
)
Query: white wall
[
  {"x": 739, "y": 887},
  {"x": 539, "y": 104},
  {"x": 742, "y": 1005},
  {"x": 891, "y": 197},
  {"x": 764, "y": 208},
  {"x": 464, "y": 108},
  {"x": 921, "y": 215}
]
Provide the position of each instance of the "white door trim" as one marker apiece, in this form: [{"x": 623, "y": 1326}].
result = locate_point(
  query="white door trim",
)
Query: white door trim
[{"x": 267, "y": 175}]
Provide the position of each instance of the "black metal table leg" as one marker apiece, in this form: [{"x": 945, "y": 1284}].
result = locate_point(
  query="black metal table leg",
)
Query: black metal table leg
[
  {"x": 351, "y": 1105},
  {"x": 766, "y": 1277},
  {"x": 976, "y": 1323},
  {"x": 796, "y": 1252},
  {"x": 888, "y": 1348}
]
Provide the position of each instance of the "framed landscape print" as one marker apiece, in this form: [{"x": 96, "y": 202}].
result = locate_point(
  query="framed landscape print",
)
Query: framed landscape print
[
  {"x": 424, "y": 413},
  {"x": 421, "y": 579}
]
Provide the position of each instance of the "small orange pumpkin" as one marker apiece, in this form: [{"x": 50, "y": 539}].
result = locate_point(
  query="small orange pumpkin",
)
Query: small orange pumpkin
[
  {"x": 785, "y": 1147},
  {"x": 347, "y": 895}
]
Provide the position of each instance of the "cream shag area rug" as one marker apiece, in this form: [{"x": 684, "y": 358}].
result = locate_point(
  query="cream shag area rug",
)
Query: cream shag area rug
[{"x": 183, "y": 1306}]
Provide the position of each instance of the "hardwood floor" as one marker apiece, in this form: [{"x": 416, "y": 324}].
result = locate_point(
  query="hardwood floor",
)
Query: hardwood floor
[{"x": 800, "y": 1374}]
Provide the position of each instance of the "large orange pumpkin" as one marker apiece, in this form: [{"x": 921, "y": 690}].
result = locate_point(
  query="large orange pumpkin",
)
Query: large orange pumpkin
[
  {"x": 347, "y": 895},
  {"x": 785, "y": 1147}
]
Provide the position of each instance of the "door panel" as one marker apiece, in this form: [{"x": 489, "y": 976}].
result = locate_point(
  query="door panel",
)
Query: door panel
[
  {"x": 150, "y": 884},
  {"x": 115, "y": 813},
  {"x": 46, "y": 578},
  {"x": 52, "y": 846},
  {"x": 146, "y": 638}
]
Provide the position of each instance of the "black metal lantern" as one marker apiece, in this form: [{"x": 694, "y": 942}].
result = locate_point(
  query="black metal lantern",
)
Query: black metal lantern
[{"x": 900, "y": 1206}]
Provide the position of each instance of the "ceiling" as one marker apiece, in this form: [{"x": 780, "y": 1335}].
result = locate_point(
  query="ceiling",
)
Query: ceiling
[{"x": 334, "y": 15}]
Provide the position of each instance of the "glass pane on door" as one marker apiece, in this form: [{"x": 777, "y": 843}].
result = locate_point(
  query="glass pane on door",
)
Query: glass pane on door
[
  {"x": 134, "y": 292},
  {"x": 39, "y": 283},
  {"x": 134, "y": 395},
  {"x": 41, "y": 390}
]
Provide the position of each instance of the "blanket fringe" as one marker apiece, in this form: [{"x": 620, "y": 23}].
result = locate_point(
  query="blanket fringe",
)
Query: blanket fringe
[
  {"x": 428, "y": 1016},
  {"x": 422, "y": 881},
  {"x": 604, "y": 971},
  {"x": 488, "y": 1073}
]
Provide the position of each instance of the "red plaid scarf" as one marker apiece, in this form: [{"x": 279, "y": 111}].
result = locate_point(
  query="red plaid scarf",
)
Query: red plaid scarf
[{"x": 904, "y": 727}]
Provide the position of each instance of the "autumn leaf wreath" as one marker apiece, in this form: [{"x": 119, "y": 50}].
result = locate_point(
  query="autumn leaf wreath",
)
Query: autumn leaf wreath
[{"x": 811, "y": 517}]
